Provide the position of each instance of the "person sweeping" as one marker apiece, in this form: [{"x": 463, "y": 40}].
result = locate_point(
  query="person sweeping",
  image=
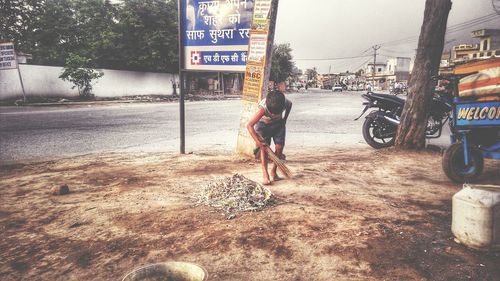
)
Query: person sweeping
[{"x": 267, "y": 124}]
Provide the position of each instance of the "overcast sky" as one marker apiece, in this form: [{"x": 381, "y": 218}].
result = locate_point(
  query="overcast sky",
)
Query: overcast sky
[{"x": 318, "y": 29}]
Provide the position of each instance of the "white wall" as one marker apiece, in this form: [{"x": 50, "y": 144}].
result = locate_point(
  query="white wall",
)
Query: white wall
[{"x": 43, "y": 81}]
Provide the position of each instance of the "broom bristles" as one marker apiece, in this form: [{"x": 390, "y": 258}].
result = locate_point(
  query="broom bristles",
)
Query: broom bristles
[{"x": 276, "y": 160}]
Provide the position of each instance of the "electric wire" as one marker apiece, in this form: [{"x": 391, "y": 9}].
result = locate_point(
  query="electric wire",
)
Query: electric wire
[
  {"x": 412, "y": 39},
  {"x": 451, "y": 29},
  {"x": 496, "y": 6},
  {"x": 331, "y": 59}
]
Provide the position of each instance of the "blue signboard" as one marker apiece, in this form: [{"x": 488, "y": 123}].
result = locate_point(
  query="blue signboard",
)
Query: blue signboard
[
  {"x": 215, "y": 34},
  {"x": 477, "y": 114}
]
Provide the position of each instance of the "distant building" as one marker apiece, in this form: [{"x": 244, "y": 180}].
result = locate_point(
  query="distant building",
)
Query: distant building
[
  {"x": 398, "y": 69},
  {"x": 23, "y": 58},
  {"x": 382, "y": 75},
  {"x": 378, "y": 68},
  {"x": 463, "y": 52},
  {"x": 445, "y": 59},
  {"x": 326, "y": 81},
  {"x": 489, "y": 45}
]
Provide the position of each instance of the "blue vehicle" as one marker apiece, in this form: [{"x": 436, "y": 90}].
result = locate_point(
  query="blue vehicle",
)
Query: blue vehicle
[{"x": 475, "y": 128}]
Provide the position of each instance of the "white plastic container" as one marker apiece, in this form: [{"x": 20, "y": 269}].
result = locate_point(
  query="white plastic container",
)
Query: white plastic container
[{"x": 476, "y": 216}]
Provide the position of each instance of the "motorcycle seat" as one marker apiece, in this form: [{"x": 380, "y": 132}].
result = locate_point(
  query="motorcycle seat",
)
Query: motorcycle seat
[{"x": 389, "y": 98}]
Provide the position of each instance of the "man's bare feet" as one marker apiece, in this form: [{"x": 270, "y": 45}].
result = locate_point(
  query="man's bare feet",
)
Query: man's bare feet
[{"x": 266, "y": 182}]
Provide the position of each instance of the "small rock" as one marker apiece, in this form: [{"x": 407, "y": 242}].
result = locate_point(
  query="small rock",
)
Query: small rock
[
  {"x": 231, "y": 216},
  {"x": 60, "y": 190}
]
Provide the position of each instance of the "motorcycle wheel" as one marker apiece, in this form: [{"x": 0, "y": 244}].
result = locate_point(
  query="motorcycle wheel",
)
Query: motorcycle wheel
[
  {"x": 454, "y": 164},
  {"x": 372, "y": 130}
]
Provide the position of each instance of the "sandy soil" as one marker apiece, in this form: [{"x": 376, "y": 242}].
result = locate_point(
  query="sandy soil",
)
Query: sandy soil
[{"x": 346, "y": 215}]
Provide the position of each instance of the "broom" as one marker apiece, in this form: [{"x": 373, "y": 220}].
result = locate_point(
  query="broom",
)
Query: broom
[{"x": 276, "y": 160}]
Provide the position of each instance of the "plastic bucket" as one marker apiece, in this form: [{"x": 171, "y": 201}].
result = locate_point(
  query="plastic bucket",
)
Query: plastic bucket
[{"x": 168, "y": 271}]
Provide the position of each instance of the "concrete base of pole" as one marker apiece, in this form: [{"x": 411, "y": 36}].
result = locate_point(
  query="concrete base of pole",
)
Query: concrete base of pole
[{"x": 246, "y": 144}]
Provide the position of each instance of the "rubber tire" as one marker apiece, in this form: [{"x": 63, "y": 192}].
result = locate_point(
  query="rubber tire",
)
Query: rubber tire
[
  {"x": 451, "y": 169},
  {"x": 368, "y": 139}
]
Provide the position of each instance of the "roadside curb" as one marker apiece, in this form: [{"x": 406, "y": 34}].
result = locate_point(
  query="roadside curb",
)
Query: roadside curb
[{"x": 125, "y": 101}]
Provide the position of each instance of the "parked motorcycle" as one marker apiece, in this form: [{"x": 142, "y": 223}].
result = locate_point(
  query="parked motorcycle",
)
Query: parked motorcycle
[
  {"x": 380, "y": 126},
  {"x": 399, "y": 91}
]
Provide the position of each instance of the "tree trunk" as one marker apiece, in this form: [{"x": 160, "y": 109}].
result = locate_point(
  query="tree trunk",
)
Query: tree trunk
[{"x": 411, "y": 132}]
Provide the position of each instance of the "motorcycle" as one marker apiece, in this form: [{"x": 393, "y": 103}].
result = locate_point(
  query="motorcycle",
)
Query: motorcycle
[
  {"x": 380, "y": 126},
  {"x": 399, "y": 91}
]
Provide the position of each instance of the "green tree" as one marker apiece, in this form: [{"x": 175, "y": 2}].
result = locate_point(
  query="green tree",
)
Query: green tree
[
  {"x": 282, "y": 65},
  {"x": 296, "y": 73},
  {"x": 18, "y": 21},
  {"x": 77, "y": 70},
  {"x": 312, "y": 75},
  {"x": 98, "y": 32},
  {"x": 54, "y": 34},
  {"x": 130, "y": 34},
  {"x": 148, "y": 32}
]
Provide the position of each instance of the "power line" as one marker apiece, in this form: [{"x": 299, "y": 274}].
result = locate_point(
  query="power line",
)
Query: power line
[
  {"x": 464, "y": 27},
  {"x": 473, "y": 21},
  {"x": 396, "y": 52},
  {"x": 348, "y": 64},
  {"x": 496, "y": 6},
  {"x": 392, "y": 56},
  {"x": 451, "y": 29},
  {"x": 330, "y": 59},
  {"x": 411, "y": 39},
  {"x": 361, "y": 65}
]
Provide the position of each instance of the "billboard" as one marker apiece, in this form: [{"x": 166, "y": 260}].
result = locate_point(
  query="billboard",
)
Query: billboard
[
  {"x": 7, "y": 56},
  {"x": 215, "y": 34}
]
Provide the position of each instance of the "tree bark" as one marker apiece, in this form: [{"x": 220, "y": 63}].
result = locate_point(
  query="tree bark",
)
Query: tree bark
[{"x": 411, "y": 132}]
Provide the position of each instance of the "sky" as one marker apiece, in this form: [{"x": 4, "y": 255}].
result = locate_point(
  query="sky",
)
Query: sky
[{"x": 325, "y": 29}]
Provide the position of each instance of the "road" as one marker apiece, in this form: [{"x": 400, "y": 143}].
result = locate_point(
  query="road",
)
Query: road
[{"x": 319, "y": 118}]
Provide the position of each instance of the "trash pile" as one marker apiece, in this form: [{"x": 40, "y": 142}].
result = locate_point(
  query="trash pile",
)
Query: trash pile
[{"x": 236, "y": 194}]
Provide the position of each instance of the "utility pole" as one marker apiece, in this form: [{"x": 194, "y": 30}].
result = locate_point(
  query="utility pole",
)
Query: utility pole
[
  {"x": 375, "y": 48},
  {"x": 258, "y": 67}
]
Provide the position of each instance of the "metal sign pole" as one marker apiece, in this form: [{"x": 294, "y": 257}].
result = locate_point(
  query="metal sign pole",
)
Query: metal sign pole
[
  {"x": 22, "y": 84},
  {"x": 182, "y": 116},
  {"x": 182, "y": 88}
]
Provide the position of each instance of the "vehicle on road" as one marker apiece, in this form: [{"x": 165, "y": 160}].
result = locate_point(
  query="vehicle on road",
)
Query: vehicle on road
[
  {"x": 337, "y": 88},
  {"x": 399, "y": 91},
  {"x": 380, "y": 126},
  {"x": 352, "y": 88}
]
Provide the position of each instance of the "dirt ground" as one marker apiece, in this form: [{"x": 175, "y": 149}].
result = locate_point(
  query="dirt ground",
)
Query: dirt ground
[{"x": 346, "y": 215}]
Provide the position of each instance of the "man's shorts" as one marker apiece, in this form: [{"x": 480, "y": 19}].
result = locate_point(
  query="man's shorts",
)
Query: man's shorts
[{"x": 275, "y": 131}]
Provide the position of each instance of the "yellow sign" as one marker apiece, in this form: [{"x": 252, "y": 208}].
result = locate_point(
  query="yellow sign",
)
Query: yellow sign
[{"x": 253, "y": 83}]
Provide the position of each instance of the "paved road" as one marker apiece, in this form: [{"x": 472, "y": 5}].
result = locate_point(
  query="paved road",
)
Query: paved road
[{"x": 318, "y": 119}]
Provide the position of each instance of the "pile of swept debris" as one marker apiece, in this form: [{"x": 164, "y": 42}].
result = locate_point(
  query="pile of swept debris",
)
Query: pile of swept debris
[{"x": 236, "y": 194}]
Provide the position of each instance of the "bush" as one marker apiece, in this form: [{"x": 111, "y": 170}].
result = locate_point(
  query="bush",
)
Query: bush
[{"x": 77, "y": 70}]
